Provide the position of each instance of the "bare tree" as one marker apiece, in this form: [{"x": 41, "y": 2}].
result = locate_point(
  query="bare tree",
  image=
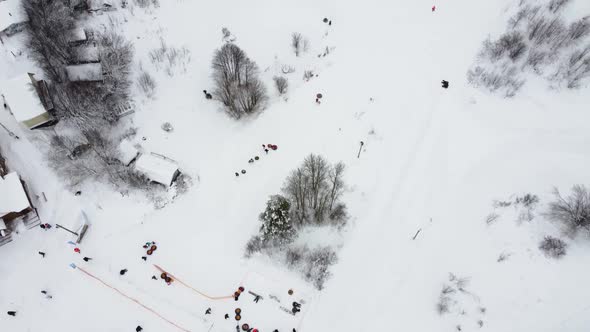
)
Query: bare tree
[
  {"x": 236, "y": 81},
  {"x": 315, "y": 189},
  {"x": 299, "y": 43},
  {"x": 281, "y": 84}
]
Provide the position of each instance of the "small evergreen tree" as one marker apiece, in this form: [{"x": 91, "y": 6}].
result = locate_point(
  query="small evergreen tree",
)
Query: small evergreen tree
[{"x": 276, "y": 222}]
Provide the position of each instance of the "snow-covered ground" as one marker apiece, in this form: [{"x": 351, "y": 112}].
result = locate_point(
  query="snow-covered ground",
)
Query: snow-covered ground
[{"x": 433, "y": 159}]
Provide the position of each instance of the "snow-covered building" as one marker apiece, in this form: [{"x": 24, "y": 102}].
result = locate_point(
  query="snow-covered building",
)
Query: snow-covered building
[
  {"x": 88, "y": 72},
  {"x": 14, "y": 203},
  {"x": 12, "y": 18},
  {"x": 28, "y": 100},
  {"x": 157, "y": 168},
  {"x": 86, "y": 54},
  {"x": 127, "y": 152},
  {"x": 77, "y": 36}
]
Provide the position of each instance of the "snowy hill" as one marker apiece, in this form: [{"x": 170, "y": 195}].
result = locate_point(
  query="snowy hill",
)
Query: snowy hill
[{"x": 434, "y": 161}]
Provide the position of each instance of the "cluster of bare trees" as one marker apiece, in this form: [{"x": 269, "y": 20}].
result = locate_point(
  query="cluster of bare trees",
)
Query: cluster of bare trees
[
  {"x": 315, "y": 190},
  {"x": 537, "y": 39},
  {"x": 50, "y": 23},
  {"x": 87, "y": 111},
  {"x": 237, "y": 84}
]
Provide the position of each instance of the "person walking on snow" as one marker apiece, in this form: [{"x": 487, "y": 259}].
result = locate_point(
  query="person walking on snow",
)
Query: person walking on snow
[
  {"x": 46, "y": 295},
  {"x": 433, "y": 8},
  {"x": 138, "y": 328},
  {"x": 122, "y": 272},
  {"x": 226, "y": 316},
  {"x": 11, "y": 313},
  {"x": 77, "y": 250},
  {"x": 208, "y": 311},
  {"x": 257, "y": 298},
  {"x": 86, "y": 259},
  {"x": 42, "y": 254}
]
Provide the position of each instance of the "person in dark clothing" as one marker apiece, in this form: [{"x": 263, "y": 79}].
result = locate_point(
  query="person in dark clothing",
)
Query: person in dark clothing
[
  {"x": 445, "y": 84},
  {"x": 237, "y": 174},
  {"x": 266, "y": 150},
  {"x": 86, "y": 259},
  {"x": 208, "y": 311},
  {"x": 330, "y": 23},
  {"x": 122, "y": 272},
  {"x": 243, "y": 171},
  {"x": 226, "y": 316},
  {"x": 42, "y": 226},
  {"x": 144, "y": 258},
  {"x": 256, "y": 298},
  {"x": 78, "y": 193},
  {"x": 154, "y": 277},
  {"x": 275, "y": 330},
  {"x": 42, "y": 254},
  {"x": 250, "y": 161},
  {"x": 207, "y": 94},
  {"x": 11, "y": 313},
  {"x": 47, "y": 226},
  {"x": 46, "y": 295},
  {"x": 138, "y": 328}
]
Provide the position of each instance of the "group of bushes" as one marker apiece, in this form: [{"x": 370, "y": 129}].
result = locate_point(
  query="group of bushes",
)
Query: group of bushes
[
  {"x": 538, "y": 39},
  {"x": 311, "y": 198}
]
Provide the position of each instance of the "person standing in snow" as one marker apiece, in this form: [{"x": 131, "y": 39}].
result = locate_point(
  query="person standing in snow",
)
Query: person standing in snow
[
  {"x": 77, "y": 250},
  {"x": 86, "y": 259},
  {"x": 226, "y": 316},
  {"x": 144, "y": 258},
  {"x": 11, "y": 313},
  {"x": 138, "y": 328},
  {"x": 46, "y": 295},
  {"x": 445, "y": 84},
  {"x": 42, "y": 254},
  {"x": 122, "y": 272},
  {"x": 257, "y": 298},
  {"x": 208, "y": 311}
]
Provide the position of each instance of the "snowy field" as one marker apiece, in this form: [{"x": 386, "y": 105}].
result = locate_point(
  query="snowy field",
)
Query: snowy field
[{"x": 434, "y": 160}]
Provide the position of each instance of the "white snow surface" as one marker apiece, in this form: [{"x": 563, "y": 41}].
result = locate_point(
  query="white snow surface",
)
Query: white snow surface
[
  {"x": 21, "y": 96},
  {"x": 13, "y": 195},
  {"x": 433, "y": 160},
  {"x": 10, "y": 13}
]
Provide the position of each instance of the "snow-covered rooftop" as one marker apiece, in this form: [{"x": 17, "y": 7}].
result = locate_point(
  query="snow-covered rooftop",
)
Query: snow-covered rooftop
[
  {"x": 77, "y": 35},
  {"x": 87, "y": 53},
  {"x": 88, "y": 72},
  {"x": 156, "y": 168},
  {"x": 10, "y": 13},
  {"x": 127, "y": 152},
  {"x": 22, "y": 98},
  {"x": 13, "y": 197}
]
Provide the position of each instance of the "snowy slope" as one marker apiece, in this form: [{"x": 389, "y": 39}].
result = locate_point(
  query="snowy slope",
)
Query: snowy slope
[{"x": 433, "y": 160}]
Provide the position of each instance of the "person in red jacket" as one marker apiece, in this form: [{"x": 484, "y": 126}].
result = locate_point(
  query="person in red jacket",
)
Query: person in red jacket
[{"x": 433, "y": 8}]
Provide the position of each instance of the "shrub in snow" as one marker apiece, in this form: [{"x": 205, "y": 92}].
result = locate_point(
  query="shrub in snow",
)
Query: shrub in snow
[
  {"x": 167, "y": 127},
  {"x": 294, "y": 255},
  {"x": 299, "y": 43},
  {"x": 146, "y": 83},
  {"x": 237, "y": 84},
  {"x": 147, "y": 3},
  {"x": 315, "y": 189},
  {"x": 227, "y": 37},
  {"x": 573, "y": 211},
  {"x": 170, "y": 59},
  {"x": 317, "y": 263},
  {"x": 277, "y": 227},
  {"x": 553, "y": 247},
  {"x": 281, "y": 84},
  {"x": 254, "y": 245}
]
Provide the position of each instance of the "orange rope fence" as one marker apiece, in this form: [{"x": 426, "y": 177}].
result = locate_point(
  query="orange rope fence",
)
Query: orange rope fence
[
  {"x": 134, "y": 300},
  {"x": 202, "y": 294}
]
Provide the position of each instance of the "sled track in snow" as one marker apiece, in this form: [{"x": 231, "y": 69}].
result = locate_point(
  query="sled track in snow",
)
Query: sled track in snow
[
  {"x": 133, "y": 299},
  {"x": 190, "y": 287}
]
